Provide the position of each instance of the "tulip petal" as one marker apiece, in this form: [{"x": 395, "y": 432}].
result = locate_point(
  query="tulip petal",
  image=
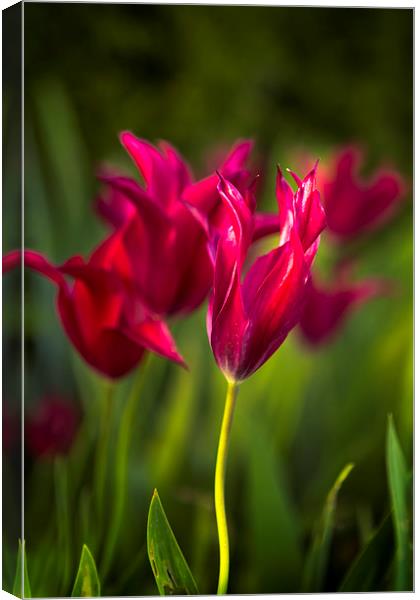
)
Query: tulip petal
[
  {"x": 327, "y": 307},
  {"x": 36, "y": 262},
  {"x": 11, "y": 260},
  {"x": 273, "y": 292},
  {"x": 97, "y": 298},
  {"x": 241, "y": 219},
  {"x": 236, "y": 158},
  {"x": 145, "y": 203},
  {"x": 155, "y": 336},
  {"x": 152, "y": 166},
  {"x": 114, "y": 353},
  {"x": 285, "y": 201},
  {"x": 182, "y": 173}
]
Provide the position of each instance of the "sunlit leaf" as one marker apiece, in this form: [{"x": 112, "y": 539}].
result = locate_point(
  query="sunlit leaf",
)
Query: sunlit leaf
[
  {"x": 368, "y": 569},
  {"x": 317, "y": 560},
  {"x": 169, "y": 566},
  {"x": 87, "y": 581},
  {"x": 397, "y": 481},
  {"x": 22, "y": 574}
]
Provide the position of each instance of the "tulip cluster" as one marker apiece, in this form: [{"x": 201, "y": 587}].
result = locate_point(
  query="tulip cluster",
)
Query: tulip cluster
[
  {"x": 154, "y": 264},
  {"x": 173, "y": 240}
]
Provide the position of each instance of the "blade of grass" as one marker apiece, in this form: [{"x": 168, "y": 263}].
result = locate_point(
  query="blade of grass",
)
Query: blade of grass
[
  {"x": 21, "y": 576},
  {"x": 397, "y": 482},
  {"x": 317, "y": 559},
  {"x": 87, "y": 583},
  {"x": 367, "y": 571}
]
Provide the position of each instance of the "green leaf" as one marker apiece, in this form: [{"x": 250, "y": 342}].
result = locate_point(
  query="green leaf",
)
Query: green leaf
[
  {"x": 368, "y": 569},
  {"x": 169, "y": 566},
  {"x": 22, "y": 569},
  {"x": 317, "y": 559},
  {"x": 87, "y": 581},
  {"x": 398, "y": 484}
]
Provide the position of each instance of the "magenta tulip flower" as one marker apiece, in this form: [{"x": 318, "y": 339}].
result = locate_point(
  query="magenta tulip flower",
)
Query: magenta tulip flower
[
  {"x": 105, "y": 321},
  {"x": 354, "y": 206},
  {"x": 250, "y": 314},
  {"x": 326, "y": 307},
  {"x": 165, "y": 245}
]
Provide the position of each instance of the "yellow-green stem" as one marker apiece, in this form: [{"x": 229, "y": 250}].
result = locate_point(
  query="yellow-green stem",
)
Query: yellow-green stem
[{"x": 219, "y": 487}]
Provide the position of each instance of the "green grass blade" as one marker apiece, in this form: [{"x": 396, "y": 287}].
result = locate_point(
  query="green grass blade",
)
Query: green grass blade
[
  {"x": 22, "y": 569},
  {"x": 169, "y": 566},
  {"x": 398, "y": 484},
  {"x": 368, "y": 569},
  {"x": 87, "y": 581},
  {"x": 317, "y": 560}
]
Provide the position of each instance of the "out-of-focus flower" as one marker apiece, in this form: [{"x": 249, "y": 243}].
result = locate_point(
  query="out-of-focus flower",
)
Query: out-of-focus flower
[
  {"x": 354, "y": 206},
  {"x": 326, "y": 307},
  {"x": 165, "y": 246},
  {"x": 105, "y": 321},
  {"x": 51, "y": 429},
  {"x": 250, "y": 317}
]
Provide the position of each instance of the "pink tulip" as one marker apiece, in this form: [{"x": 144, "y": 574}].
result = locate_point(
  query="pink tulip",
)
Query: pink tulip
[
  {"x": 165, "y": 245},
  {"x": 326, "y": 307},
  {"x": 103, "y": 318},
  {"x": 354, "y": 206},
  {"x": 250, "y": 314}
]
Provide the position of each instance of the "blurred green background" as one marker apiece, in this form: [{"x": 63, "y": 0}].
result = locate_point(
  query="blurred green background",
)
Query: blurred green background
[{"x": 201, "y": 77}]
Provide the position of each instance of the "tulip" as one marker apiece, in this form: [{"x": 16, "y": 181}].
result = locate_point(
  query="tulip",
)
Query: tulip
[
  {"x": 51, "y": 429},
  {"x": 105, "y": 321},
  {"x": 326, "y": 307},
  {"x": 353, "y": 206},
  {"x": 165, "y": 245},
  {"x": 250, "y": 314},
  {"x": 249, "y": 317}
]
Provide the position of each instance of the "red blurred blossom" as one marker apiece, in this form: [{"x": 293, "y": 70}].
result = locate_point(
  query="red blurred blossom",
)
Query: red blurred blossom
[
  {"x": 104, "y": 319},
  {"x": 326, "y": 307},
  {"x": 165, "y": 245},
  {"x": 51, "y": 429},
  {"x": 251, "y": 314},
  {"x": 354, "y": 206}
]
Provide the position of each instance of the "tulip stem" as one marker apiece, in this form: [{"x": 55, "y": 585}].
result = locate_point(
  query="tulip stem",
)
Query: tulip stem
[
  {"x": 219, "y": 487},
  {"x": 121, "y": 466},
  {"x": 102, "y": 450}
]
